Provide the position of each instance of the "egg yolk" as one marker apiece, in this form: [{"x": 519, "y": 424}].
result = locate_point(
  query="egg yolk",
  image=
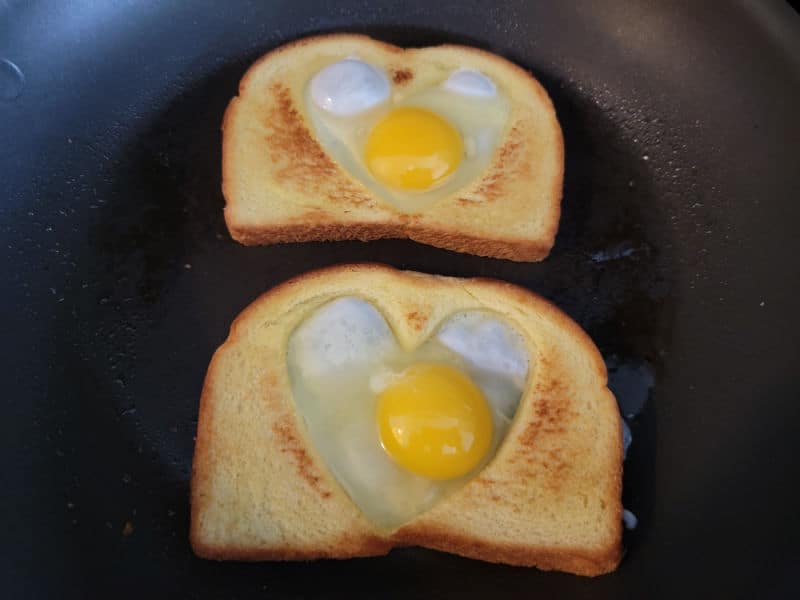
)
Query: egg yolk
[
  {"x": 434, "y": 421},
  {"x": 413, "y": 149}
]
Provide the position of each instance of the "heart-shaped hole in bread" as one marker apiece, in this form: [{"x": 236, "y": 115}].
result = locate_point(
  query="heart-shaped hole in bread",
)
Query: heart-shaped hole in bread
[
  {"x": 415, "y": 139},
  {"x": 359, "y": 391}
]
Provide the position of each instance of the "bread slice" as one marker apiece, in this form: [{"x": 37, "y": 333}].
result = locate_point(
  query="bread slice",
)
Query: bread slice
[
  {"x": 549, "y": 498},
  {"x": 280, "y": 185}
]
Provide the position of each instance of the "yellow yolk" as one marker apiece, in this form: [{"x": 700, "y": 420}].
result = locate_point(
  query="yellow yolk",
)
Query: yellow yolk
[
  {"x": 434, "y": 421},
  {"x": 413, "y": 149}
]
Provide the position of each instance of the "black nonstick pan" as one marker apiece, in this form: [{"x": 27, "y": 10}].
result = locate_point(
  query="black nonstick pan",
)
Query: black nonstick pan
[{"x": 678, "y": 253}]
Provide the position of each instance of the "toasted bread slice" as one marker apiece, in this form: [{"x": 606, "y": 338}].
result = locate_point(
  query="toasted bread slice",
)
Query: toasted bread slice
[
  {"x": 280, "y": 184},
  {"x": 551, "y": 496}
]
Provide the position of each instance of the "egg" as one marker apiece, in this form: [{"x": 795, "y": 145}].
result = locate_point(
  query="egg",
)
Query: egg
[
  {"x": 410, "y": 145},
  {"x": 402, "y": 428}
]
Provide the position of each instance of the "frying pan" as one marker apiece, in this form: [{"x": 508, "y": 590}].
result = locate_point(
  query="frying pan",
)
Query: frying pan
[{"x": 677, "y": 252}]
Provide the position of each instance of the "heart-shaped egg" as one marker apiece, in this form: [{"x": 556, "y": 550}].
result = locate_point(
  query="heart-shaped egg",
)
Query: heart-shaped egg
[
  {"x": 399, "y": 427},
  {"x": 411, "y": 142}
]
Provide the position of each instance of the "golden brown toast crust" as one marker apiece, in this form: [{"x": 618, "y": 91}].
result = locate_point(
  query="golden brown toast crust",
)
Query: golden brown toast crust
[
  {"x": 364, "y": 232},
  {"x": 260, "y": 492},
  {"x": 327, "y": 202}
]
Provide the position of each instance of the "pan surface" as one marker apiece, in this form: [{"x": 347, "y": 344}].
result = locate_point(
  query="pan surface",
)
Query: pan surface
[{"x": 678, "y": 253}]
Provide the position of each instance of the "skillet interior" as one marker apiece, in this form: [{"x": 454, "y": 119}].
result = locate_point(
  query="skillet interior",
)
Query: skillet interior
[{"x": 677, "y": 252}]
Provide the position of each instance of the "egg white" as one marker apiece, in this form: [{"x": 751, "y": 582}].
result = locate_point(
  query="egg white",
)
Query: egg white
[
  {"x": 344, "y": 354},
  {"x": 348, "y": 87}
]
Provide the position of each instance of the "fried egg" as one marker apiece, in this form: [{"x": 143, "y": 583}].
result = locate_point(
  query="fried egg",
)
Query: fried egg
[
  {"x": 399, "y": 428},
  {"x": 408, "y": 145}
]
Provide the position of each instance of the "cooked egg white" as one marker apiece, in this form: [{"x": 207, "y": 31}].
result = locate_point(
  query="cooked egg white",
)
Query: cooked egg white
[
  {"x": 409, "y": 147},
  {"x": 401, "y": 429},
  {"x": 348, "y": 87},
  {"x": 469, "y": 82}
]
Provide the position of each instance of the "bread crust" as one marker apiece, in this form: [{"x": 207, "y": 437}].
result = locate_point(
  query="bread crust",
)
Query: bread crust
[
  {"x": 546, "y": 451},
  {"x": 578, "y": 561},
  {"x": 335, "y": 206},
  {"x": 520, "y": 251}
]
